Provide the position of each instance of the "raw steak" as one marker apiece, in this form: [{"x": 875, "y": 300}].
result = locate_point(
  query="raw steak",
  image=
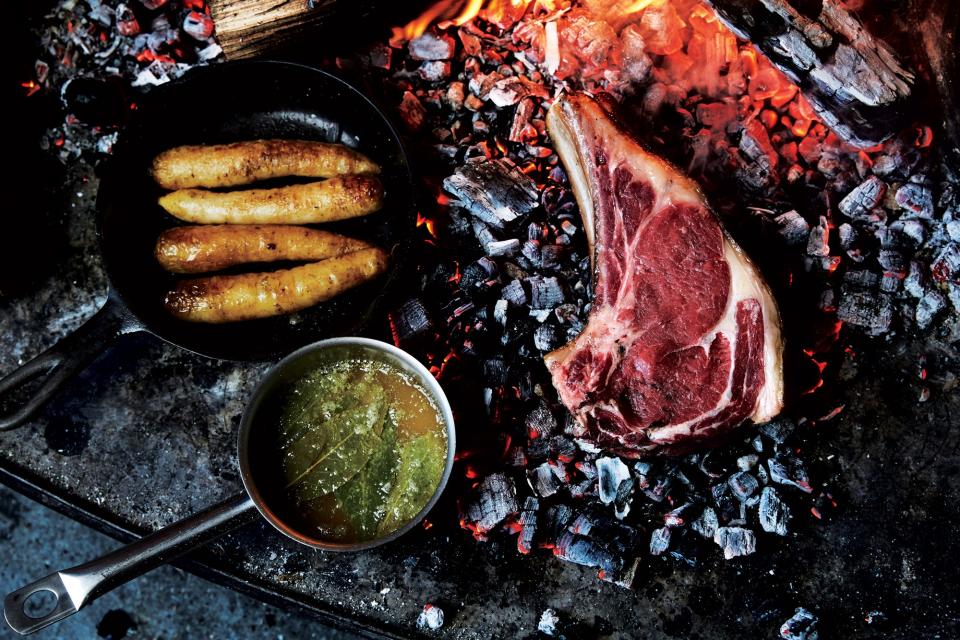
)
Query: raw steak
[{"x": 683, "y": 341}]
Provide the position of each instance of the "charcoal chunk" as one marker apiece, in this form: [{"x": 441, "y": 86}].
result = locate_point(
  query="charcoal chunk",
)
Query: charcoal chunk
[
  {"x": 789, "y": 470},
  {"x": 528, "y": 525},
  {"x": 707, "y": 524},
  {"x": 545, "y": 293},
  {"x": 859, "y": 203},
  {"x": 495, "y": 192},
  {"x": 660, "y": 541},
  {"x": 514, "y": 293},
  {"x": 774, "y": 514},
  {"x": 493, "y": 501},
  {"x": 743, "y": 485},
  {"x": 410, "y": 321},
  {"x": 432, "y": 46},
  {"x": 540, "y": 422},
  {"x": 543, "y": 480},
  {"x": 735, "y": 541},
  {"x": 873, "y": 312},
  {"x": 431, "y": 618},
  {"x": 801, "y": 626},
  {"x": 930, "y": 305},
  {"x": 916, "y": 199},
  {"x": 611, "y": 472}
]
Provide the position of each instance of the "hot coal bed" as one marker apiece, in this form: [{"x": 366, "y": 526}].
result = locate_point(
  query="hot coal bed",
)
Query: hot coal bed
[{"x": 855, "y": 225}]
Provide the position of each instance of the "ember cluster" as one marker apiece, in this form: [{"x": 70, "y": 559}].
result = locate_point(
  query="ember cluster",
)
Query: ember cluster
[
  {"x": 507, "y": 275},
  {"x": 100, "y": 54}
]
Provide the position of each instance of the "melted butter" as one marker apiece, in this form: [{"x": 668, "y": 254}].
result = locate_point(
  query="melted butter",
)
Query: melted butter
[{"x": 358, "y": 449}]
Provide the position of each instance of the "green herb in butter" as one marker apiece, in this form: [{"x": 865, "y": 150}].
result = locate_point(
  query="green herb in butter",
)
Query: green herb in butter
[{"x": 361, "y": 446}]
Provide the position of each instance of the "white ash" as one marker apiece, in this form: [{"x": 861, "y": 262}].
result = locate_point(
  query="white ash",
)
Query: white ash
[
  {"x": 548, "y": 623},
  {"x": 431, "y": 618}
]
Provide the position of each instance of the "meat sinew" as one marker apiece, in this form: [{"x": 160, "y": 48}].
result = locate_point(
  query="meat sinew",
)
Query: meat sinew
[{"x": 683, "y": 342}]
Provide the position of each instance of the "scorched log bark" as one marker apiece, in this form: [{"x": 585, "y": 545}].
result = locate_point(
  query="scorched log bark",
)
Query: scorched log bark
[{"x": 855, "y": 81}]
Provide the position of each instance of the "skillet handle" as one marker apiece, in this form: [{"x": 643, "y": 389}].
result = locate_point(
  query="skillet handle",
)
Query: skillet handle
[
  {"x": 74, "y": 588},
  {"x": 62, "y": 361}
]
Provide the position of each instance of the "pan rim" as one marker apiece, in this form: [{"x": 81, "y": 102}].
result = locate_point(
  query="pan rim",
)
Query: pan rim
[{"x": 138, "y": 322}]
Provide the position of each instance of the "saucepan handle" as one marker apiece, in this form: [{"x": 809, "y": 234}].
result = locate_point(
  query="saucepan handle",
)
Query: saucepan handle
[
  {"x": 62, "y": 361},
  {"x": 77, "y": 587}
]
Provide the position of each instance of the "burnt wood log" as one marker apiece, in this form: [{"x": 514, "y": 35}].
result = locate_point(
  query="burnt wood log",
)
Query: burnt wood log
[
  {"x": 251, "y": 28},
  {"x": 856, "y": 82},
  {"x": 247, "y": 28}
]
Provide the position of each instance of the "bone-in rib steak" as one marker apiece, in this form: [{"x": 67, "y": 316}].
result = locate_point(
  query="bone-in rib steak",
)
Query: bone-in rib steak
[{"x": 683, "y": 342}]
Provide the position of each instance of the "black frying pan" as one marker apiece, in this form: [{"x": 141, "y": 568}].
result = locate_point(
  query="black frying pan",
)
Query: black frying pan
[{"x": 216, "y": 104}]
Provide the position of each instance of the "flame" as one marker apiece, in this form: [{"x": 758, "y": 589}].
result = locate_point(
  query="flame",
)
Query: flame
[
  {"x": 469, "y": 12},
  {"x": 423, "y": 221},
  {"x": 418, "y": 25},
  {"x": 31, "y": 86},
  {"x": 454, "y": 13},
  {"x": 640, "y": 5}
]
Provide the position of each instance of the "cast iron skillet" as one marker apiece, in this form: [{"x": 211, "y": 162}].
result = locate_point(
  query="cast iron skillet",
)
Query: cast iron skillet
[{"x": 216, "y": 104}]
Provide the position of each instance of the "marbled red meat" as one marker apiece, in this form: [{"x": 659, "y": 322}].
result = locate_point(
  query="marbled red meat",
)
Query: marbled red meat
[{"x": 683, "y": 341}]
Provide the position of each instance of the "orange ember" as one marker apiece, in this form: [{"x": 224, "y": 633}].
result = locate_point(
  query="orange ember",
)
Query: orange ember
[{"x": 423, "y": 221}]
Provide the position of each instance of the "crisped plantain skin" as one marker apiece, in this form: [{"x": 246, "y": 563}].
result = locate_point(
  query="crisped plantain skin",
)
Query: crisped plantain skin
[
  {"x": 218, "y": 299},
  {"x": 324, "y": 201},
  {"x": 199, "y": 249},
  {"x": 229, "y": 165}
]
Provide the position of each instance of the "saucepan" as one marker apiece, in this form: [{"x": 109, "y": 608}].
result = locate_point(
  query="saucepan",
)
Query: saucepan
[
  {"x": 210, "y": 105},
  {"x": 76, "y": 587}
]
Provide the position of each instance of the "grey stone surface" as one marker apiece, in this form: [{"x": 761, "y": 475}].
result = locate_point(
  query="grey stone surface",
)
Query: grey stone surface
[{"x": 169, "y": 604}]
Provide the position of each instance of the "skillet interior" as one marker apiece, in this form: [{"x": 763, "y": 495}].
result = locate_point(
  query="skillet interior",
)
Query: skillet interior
[{"x": 242, "y": 101}]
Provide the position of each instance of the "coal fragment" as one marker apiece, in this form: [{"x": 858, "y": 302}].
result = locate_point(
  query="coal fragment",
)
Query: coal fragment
[
  {"x": 514, "y": 293},
  {"x": 873, "y": 312},
  {"x": 494, "y": 499},
  {"x": 916, "y": 199},
  {"x": 735, "y": 541},
  {"x": 801, "y": 626},
  {"x": 777, "y": 430},
  {"x": 431, "y": 618},
  {"x": 611, "y": 472},
  {"x": 540, "y": 422},
  {"x": 773, "y": 512},
  {"x": 546, "y": 338},
  {"x": 495, "y": 192},
  {"x": 621, "y": 505},
  {"x": 743, "y": 485},
  {"x": 789, "y": 470},
  {"x": 859, "y": 203},
  {"x": 543, "y": 481},
  {"x": 707, "y": 524},
  {"x": 549, "y": 622},
  {"x": 660, "y": 541},
  {"x": 409, "y": 321},
  {"x": 528, "y": 524},
  {"x": 545, "y": 293},
  {"x": 431, "y": 46}
]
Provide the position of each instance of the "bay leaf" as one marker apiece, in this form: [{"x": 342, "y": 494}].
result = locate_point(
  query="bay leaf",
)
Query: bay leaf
[
  {"x": 422, "y": 460},
  {"x": 365, "y": 495},
  {"x": 331, "y": 453},
  {"x": 313, "y": 400}
]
